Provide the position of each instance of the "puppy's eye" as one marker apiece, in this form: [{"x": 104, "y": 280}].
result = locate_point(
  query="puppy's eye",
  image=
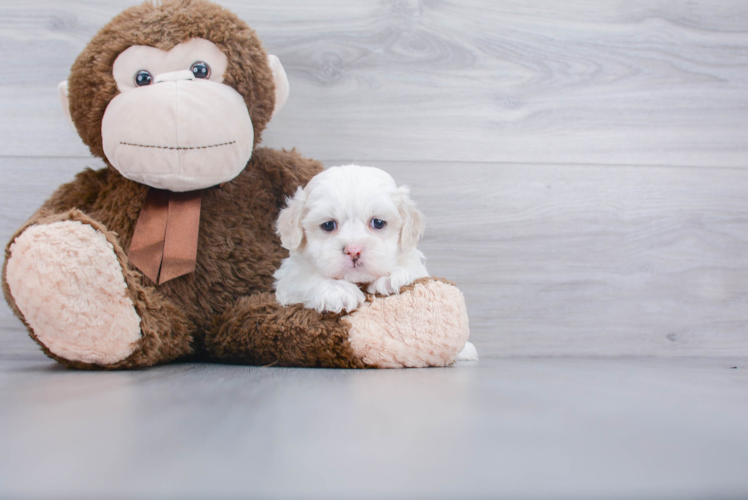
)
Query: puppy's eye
[
  {"x": 329, "y": 226},
  {"x": 378, "y": 223}
]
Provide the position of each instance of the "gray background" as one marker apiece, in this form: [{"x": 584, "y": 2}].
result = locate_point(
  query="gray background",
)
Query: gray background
[{"x": 583, "y": 168}]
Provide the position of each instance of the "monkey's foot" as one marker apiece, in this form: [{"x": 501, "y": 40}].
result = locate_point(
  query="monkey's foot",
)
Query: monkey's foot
[
  {"x": 66, "y": 280},
  {"x": 425, "y": 325}
]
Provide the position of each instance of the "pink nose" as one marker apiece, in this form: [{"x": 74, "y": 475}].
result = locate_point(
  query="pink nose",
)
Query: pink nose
[{"x": 353, "y": 251}]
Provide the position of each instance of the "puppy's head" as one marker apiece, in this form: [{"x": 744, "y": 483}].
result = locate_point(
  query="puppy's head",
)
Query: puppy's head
[{"x": 351, "y": 222}]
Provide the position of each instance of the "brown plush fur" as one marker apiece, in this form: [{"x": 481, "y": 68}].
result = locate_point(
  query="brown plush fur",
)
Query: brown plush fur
[{"x": 258, "y": 330}]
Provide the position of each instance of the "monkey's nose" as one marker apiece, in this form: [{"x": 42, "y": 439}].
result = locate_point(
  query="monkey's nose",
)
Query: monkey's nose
[{"x": 173, "y": 76}]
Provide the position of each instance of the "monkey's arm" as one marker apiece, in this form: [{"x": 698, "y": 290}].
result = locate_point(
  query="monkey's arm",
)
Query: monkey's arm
[
  {"x": 425, "y": 325},
  {"x": 80, "y": 193},
  {"x": 257, "y": 330}
]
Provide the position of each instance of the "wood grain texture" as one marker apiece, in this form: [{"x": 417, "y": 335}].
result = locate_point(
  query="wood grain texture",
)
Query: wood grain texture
[
  {"x": 647, "y": 83},
  {"x": 591, "y": 260}
]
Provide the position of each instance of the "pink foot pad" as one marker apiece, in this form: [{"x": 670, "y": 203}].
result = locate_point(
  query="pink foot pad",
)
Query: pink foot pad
[{"x": 66, "y": 280}]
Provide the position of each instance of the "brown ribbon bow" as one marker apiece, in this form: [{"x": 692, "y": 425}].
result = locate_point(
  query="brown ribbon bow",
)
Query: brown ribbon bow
[{"x": 164, "y": 245}]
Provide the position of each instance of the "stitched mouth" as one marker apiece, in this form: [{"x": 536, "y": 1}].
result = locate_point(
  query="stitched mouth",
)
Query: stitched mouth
[{"x": 178, "y": 148}]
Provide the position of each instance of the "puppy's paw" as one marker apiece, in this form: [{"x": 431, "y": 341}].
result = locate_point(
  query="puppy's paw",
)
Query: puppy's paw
[
  {"x": 387, "y": 285},
  {"x": 336, "y": 296}
]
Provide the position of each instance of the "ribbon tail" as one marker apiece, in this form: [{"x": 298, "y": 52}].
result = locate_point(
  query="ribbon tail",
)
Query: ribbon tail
[
  {"x": 147, "y": 246},
  {"x": 182, "y": 229}
]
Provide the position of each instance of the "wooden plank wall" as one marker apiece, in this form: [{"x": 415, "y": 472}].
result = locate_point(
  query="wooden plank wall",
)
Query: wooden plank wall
[{"x": 583, "y": 165}]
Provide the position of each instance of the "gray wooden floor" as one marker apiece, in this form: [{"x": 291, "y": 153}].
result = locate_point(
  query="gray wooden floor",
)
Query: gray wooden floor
[
  {"x": 583, "y": 167},
  {"x": 557, "y": 428}
]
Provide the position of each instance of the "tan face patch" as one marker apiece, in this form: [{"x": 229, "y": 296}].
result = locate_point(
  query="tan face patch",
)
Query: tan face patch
[
  {"x": 157, "y": 62},
  {"x": 174, "y": 129}
]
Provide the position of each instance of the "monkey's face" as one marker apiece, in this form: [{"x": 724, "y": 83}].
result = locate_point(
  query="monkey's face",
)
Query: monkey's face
[
  {"x": 175, "y": 125},
  {"x": 174, "y": 94}
]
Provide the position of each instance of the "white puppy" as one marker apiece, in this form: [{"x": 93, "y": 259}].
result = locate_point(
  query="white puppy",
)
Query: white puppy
[{"x": 350, "y": 225}]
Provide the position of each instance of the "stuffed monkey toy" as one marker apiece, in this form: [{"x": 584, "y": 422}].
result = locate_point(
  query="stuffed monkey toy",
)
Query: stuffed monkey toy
[{"x": 168, "y": 253}]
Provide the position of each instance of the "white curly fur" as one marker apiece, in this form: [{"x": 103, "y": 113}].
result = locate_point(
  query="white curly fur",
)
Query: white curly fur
[{"x": 325, "y": 267}]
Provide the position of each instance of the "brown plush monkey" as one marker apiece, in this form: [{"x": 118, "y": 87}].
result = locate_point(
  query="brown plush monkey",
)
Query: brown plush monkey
[{"x": 169, "y": 252}]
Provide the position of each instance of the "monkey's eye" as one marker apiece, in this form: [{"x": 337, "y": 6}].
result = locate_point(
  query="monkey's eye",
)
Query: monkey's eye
[
  {"x": 378, "y": 223},
  {"x": 329, "y": 226},
  {"x": 143, "y": 78},
  {"x": 200, "y": 69}
]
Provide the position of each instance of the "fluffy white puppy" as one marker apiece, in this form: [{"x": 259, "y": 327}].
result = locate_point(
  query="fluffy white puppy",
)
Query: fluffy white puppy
[{"x": 350, "y": 225}]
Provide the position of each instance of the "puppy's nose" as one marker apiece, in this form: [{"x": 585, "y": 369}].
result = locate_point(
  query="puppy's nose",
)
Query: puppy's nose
[{"x": 353, "y": 251}]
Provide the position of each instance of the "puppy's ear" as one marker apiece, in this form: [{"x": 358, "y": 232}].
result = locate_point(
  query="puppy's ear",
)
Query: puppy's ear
[
  {"x": 289, "y": 221},
  {"x": 413, "y": 221}
]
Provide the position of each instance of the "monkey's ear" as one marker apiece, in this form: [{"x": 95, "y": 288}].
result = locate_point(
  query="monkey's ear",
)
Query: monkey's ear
[
  {"x": 62, "y": 89},
  {"x": 281, "y": 82},
  {"x": 289, "y": 221}
]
